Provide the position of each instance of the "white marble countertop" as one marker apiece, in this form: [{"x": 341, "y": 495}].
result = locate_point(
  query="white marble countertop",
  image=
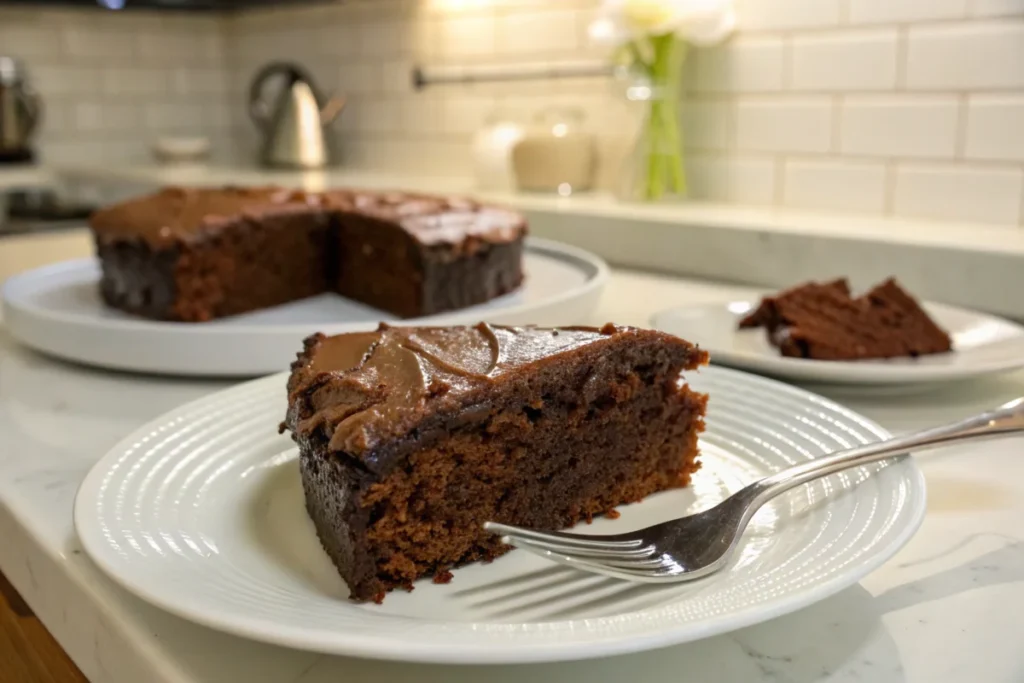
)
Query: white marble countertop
[{"x": 945, "y": 610}]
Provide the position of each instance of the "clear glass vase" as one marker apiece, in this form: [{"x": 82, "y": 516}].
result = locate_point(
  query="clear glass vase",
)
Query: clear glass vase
[{"x": 656, "y": 168}]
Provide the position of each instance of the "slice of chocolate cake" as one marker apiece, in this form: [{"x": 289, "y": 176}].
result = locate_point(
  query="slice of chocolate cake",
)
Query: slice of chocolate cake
[
  {"x": 411, "y": 438},
  {"x": 825, "y": 322}
]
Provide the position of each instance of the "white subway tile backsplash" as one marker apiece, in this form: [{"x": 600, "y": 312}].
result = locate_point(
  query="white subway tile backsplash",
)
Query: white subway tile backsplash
[
  {"x": 537, "y": 32},
  {"x": 384, "y": 39},
  {"x": 220, "y": 114},
  {"x": 111, "y": 82},
  {"x": 971, "y": 55},
  {"x": 996, "y": 8},
  {"x": 757, "y": 15},
  {"x": 90, "y": 116},
  {"x": 360, "y": 78},
  {"x": 155, "y": 46},
  {"x": 57, "y": 121},
  {"x": 382, "y": 116},
  {"x": 708, "y": 125},
  {"x": 899, "y": 126},
  {"x": 135, "y": 81},
  {"x": 200, "y": 81},
  {"x": 787, "y": 124},
  {"x": 965, "y": 193},
  {"x": 87, "y": 116},
  {"x": 174, "y": 116},
  {"x": 396, "y": 76},
  {"x": 424, "y": 116},
  {"x": 749, "y": 180},
  {"x": 85, "y": 42},
  {"x": 57, "y": 81},
  {"x": 835, "y": 185},
  {"x": 892, "y": 11},
  {"x": 807, "y": 105},
  {"x": 465, "y": 36},
  {"x": 741, "y": 66},
  {"x": 465, "y": 114},
  {"x": 337, "y": 40},
  {"x": 845, "y": 60},
  {"x": 994, "y": 127},
  {"x": 28, "y": 41}
]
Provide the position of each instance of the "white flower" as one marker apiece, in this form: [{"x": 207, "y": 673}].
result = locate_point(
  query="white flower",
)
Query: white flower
[{"x": 702, "y": 22}]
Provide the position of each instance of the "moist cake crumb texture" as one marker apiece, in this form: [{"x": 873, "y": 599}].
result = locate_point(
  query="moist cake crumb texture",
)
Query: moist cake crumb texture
[
  {"x": 823, "y": 321},
  {"x": 411, "y": 438}
]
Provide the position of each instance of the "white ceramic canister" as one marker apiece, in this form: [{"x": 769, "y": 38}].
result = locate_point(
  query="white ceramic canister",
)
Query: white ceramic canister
[
  {"x": 492, "y": 152},
  {"x": 557, "y": 154}
]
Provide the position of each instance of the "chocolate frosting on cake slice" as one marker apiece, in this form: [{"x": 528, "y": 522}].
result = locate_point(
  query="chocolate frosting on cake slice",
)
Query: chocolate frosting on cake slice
[{"x": 366, "y": 389}]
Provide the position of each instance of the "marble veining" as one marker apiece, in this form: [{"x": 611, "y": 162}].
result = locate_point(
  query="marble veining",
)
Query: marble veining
[{"x": 959, "y": 581}]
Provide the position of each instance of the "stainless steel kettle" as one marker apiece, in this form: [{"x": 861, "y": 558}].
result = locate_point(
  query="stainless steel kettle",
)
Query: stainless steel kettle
[
  {"x": 20, "y": 111},
  {"x": 295, "y": 124}
]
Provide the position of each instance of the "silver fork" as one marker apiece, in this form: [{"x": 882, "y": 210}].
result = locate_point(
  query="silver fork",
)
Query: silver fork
[{"x": 697, "y": 545}]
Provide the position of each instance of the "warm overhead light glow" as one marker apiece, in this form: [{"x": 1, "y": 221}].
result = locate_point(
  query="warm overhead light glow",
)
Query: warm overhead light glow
[
  {"x": 459, "y": 5},
  {"x": 602, "y": 30}
]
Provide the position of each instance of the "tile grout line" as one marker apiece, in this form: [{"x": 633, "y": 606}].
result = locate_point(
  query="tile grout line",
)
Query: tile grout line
[
  {"x": 902, "y": 56},
  {"x": 787, "y": 62},
  {"x": 779, "y": 169},
  {"x": 963, "y": 112},
  {"x": 891, "y": 178},
  {"x": 837, "y": 124}
]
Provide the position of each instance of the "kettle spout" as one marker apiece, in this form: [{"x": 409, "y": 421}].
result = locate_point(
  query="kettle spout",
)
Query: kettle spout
[{"x": 332, "y": 110}]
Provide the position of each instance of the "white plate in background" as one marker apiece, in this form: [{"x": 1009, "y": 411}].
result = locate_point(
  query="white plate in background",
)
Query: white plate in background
[
  {"x": 58, "y": 310},
  {"x": 201, "y": 513},
  {"x": 982, "y": 345}
]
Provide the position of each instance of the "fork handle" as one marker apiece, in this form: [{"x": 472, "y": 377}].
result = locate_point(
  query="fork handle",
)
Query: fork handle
[{"x": 1006, "y": 419}]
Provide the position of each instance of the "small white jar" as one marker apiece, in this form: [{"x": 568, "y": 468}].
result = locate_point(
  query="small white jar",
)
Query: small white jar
[
  {"x": 557, "y": 154},
  {"x": 492, "y": 152}
]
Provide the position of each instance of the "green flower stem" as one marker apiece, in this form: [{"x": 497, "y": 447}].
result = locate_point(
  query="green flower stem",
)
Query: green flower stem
[{"x": 662, "y": 140}]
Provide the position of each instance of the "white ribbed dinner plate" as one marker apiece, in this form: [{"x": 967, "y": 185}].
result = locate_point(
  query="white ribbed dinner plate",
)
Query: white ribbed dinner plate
[
  {"x": 57, "y": 309},
  {"x": 201, "y": 513}
]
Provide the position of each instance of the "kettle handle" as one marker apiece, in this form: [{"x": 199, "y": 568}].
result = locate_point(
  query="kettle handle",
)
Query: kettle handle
[
  {"x": 33, "y": 107},
  {"x": 259, "y": 108}
]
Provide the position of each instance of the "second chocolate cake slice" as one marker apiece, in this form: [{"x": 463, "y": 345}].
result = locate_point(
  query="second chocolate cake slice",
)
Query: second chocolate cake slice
[
  {"x": 411, "y": 438},
  {"x": 825, "y": 322}
]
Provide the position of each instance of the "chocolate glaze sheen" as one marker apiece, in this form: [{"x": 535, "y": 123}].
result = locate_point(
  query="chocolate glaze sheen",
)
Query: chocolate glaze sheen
[
  {"x": 365, "y": 389},
  {"x": 176, "y": 213},
  {"x": 183, "y": 214},
  {"x": 432, "y": 220}
]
